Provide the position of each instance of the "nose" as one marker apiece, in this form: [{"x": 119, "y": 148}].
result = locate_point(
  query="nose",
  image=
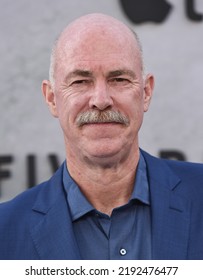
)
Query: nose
[{"x": 101, "y": 98}]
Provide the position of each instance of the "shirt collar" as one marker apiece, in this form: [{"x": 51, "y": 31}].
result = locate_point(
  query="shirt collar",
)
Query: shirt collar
[
  {"x": 141, "y": 185},
  {"x": 79, "y": 205}
]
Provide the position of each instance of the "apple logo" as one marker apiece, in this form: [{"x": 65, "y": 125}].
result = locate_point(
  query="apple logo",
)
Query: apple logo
[{"x": 140, "y": 11}]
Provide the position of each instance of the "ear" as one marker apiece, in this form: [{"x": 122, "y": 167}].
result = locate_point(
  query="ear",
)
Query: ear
[
  {"x": 49, "y": 97},
  {"x": 148, "y": 91}
]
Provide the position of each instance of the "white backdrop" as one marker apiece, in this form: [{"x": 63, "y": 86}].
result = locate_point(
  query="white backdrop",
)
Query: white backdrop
[{"x": 173, "y": 52}]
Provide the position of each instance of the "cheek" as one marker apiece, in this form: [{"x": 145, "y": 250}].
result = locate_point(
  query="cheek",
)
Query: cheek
[
  {"x": 68, "y": 109},
  {"x": 133, "y": 105}
]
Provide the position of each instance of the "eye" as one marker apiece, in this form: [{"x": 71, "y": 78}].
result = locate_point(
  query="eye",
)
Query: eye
[
  {"x": 79, "y": 82},
  {"x": 119, "y": 81}
]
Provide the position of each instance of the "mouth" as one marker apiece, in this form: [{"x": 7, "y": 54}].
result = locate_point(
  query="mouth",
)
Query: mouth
[{"x": 108, "y": 123}]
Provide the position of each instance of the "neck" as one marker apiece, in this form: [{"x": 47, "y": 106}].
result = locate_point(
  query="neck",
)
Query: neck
[{"x": 107, "y": 186}]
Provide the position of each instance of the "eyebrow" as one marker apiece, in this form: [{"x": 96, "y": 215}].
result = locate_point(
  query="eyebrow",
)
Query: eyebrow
[
  {"x": 79, "y": 72},
  {"x": 89, "y": 74},
  {"x": 120, "y": 72}
]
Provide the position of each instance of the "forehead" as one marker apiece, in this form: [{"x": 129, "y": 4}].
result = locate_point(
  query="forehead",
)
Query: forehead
[{"x": 98, "y": 49}]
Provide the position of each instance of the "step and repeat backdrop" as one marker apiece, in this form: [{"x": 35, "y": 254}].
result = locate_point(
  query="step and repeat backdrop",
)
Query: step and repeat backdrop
[{"x": 31, "y": 141}]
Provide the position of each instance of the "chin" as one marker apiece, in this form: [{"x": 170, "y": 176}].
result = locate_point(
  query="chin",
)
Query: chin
[
  {"x": 105, "y": 148},
  {"x": 105, "y": 155}
]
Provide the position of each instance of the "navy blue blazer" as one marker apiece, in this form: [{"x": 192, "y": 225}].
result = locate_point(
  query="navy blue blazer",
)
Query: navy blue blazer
[{"x": 37, "y": 223}]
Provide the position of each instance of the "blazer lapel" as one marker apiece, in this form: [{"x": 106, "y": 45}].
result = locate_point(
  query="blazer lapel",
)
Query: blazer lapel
[
  {"x": 51, "y": 225},
  {"x": 170, "y": 212}
]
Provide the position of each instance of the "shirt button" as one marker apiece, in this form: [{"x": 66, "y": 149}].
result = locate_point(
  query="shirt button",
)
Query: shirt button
[{"x": 123, "y": 252}]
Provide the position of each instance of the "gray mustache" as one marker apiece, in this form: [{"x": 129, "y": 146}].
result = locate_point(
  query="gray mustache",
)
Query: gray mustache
[{"x": 101, "y": 117}]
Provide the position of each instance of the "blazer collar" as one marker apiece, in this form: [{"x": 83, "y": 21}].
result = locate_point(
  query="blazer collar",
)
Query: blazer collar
[
  {"x": 170, "y": 211},
  {"x": 51, "y": 225}
]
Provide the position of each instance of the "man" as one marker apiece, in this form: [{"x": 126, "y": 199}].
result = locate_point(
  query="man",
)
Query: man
[{"x": 109, "y": 200}]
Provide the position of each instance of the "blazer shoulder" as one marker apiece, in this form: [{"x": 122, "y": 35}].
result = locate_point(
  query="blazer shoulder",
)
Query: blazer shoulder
[
  {"x": 187, "y": 170},
  {"x": 183, "y": 168},
  {"x": 188, "y": 175},
  {"x": 22, "y": 204}
]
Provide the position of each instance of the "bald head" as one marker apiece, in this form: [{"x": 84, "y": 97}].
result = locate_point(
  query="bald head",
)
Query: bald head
[{"x": 92, "y": 26}]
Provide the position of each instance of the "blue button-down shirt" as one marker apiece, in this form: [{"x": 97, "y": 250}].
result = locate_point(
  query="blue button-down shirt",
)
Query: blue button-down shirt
[{"x": 126, "y": 234}]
